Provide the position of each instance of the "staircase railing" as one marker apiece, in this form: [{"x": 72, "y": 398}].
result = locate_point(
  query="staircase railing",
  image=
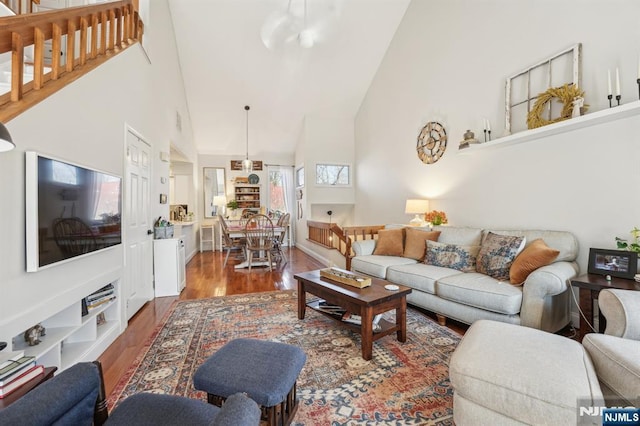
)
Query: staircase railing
[
  {"x": 93, "y": 35},
  {"x": 332, "y": 236}
]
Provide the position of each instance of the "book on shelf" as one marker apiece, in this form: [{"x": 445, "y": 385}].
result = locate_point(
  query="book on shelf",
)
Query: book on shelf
[
  {"x": 6, "y": 357},
  {"x": 100, "y": 302},
  {"x": 16, "y": 366},
  {"x": 96, "y": 296},
  {"x": 357, "y": 320},
  {"x": 30, "y": 374},
  {"x": 330, "y": 309}
]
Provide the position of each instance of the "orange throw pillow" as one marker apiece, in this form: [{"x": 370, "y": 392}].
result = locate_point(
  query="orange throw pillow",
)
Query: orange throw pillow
[
  {"x": 534, "y": 256},
  {"x": 415, "y": 245},
  {"x": 390, "y": 242}
]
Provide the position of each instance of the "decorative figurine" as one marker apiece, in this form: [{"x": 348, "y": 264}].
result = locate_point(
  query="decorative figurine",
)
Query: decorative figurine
[
  {"x": 33, "y": 334},
  {"x": 578, "y": 103},
  {"x": 469, "y": 138}
]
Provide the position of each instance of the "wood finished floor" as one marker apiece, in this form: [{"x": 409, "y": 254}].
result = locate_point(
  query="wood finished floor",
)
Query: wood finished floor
[{"x": 205, "y": 278}]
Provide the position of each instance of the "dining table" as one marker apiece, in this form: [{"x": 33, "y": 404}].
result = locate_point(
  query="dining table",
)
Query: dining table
[{"x": 237, "y": 231}]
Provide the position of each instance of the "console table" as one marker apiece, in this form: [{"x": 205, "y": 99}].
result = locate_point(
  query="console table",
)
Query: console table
[{"x": 590, "y": 286}]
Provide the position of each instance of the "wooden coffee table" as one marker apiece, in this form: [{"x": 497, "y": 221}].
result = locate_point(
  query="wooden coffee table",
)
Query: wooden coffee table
[{"x": 366, "y": 302}]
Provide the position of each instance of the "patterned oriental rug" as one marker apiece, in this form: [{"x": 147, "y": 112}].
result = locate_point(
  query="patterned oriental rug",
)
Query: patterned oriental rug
[{"x": 404, "y": 383}]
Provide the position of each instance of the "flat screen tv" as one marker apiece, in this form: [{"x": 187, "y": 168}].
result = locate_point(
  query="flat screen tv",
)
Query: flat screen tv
[{"x": 71, "y": 211}]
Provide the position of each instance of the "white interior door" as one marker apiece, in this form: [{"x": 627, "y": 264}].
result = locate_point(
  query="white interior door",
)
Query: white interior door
[{"x": 139, "y": 225}]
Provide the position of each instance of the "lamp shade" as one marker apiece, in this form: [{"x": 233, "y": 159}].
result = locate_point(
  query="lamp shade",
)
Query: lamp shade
[
  {"x": 6, "y": 143},
  {"x": 416, "y": 206}
]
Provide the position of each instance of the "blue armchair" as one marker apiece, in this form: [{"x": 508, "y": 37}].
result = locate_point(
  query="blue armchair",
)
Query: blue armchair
[{"x": 76, "y": 397}]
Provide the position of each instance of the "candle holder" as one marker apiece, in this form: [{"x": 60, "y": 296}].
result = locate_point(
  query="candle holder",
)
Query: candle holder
[
  {"x": 618, "y": 97},
  {"x": 610, "y": 97},
  {"x": 638, "y": 81},
  {"x": 489, "y": 131},
  {"x": 485, "y": 135}
]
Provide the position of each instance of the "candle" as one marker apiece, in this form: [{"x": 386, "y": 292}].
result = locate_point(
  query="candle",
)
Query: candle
[
  {"x": 609, "y": 92},
  {"x": 617, "y": 82},
  {"x": 484, "y": 124},
  {"x": 488, "y": 125},
  {"x": 638, "y": 68}
]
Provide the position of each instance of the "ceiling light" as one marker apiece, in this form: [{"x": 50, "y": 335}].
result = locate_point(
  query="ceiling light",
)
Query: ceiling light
[
  {"x": 247, "y": 165},
  {"x": 6, "y": 143}
]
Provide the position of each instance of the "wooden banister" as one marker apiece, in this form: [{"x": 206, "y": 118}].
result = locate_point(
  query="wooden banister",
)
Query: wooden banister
[
  {"x": 332, "y": 236},
  {"x": 104, "y": 31}
]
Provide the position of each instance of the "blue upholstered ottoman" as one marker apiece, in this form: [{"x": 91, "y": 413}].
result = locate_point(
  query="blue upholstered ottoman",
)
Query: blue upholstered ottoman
[{"x": 266, "y": 371}]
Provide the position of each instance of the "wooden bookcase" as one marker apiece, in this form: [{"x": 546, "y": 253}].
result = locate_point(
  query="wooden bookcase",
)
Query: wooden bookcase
[{"x": 248, "y": 196}]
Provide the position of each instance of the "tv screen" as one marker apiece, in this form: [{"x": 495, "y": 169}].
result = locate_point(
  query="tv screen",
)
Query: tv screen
[{"x": 71, "y": 210}]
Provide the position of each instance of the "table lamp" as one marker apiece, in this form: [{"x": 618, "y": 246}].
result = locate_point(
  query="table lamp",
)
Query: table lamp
[{"x": 419, "y": 208}]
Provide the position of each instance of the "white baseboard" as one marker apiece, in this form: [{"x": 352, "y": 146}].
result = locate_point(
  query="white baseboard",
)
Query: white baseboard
[{"x": 314, "y": 254}]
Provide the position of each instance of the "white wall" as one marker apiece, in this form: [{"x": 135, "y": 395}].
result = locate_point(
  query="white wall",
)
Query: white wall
[
  {"x": 85, "y": 123},
  {"x": 448, "y": 61}
]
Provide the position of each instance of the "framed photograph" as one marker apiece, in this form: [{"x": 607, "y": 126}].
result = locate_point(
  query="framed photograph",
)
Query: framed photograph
[
  {"x": 617, "y": 263},
  {"x": 100, "y": 319}
]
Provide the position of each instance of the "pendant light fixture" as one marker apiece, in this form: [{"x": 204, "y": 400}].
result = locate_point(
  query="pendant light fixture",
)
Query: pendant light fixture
[
  {"x": 6, "y": 143},
  {"x": 247, "y": 165}
]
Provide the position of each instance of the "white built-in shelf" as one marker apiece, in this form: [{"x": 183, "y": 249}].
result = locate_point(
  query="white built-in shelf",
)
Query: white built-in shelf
[{"x": 602, "y": 116}]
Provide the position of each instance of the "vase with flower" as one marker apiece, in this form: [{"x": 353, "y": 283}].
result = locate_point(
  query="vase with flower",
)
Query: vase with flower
[{"x": 436, "y": 218}]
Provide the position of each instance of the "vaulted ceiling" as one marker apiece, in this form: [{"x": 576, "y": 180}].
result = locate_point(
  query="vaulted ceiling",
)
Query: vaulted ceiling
[{"x": 226, "y": 65}]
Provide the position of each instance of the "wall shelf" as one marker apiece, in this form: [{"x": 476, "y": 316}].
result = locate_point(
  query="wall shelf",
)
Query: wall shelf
[
  {"x": 71, "y": 337},
  {"x": 598, "y": 117}
]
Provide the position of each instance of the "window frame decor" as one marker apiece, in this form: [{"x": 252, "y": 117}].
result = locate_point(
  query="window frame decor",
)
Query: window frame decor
[
  {"x": 335, "y": 184},
  {"x": 630, "y": 257},
  {"x": 576, "y": 80},
  {"x": 300, "y": 177}
]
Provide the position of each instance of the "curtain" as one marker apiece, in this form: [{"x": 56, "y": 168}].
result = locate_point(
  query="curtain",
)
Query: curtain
[{"x": 281, "y": 177}]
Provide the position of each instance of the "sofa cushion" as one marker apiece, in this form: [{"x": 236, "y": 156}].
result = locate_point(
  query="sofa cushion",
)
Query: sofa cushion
[
  {"x": 459, "y": 235},
  {"x": 534, "y": 256},
  {"x": 418, "y": 275},
  {"x": 462, "y": 258},
  {"x": 497, "y": 254},
  {"x": 390, "y": 242},
  {"x": 376, "y": 266},
  {"x": 563, "y": 241},
  {"x": 617, "y": 365},
  {"x": 415, "y": 243},
  {"x": 481, "y": 291}
]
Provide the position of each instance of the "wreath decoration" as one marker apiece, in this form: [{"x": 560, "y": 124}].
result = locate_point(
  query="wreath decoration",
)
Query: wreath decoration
[{"x": 565, "y": 94}]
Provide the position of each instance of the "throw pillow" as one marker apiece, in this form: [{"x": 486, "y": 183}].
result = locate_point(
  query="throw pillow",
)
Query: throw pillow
[
  {"x": 497, "y": 254},
  {"x": 415, "y": 242},
  {"x": 390, "y": 242},
  {"x": 462, "y": 258},
  {"x": 534, "y": 256}
]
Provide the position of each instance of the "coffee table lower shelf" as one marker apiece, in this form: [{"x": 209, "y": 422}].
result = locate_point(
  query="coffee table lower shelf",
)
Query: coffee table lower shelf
[{"x": 386, "y": 327}]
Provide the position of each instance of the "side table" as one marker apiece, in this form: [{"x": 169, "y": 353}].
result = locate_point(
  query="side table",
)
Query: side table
[
  {"x": 590, "y": 286},
  {"x": 27, "y": 387}
]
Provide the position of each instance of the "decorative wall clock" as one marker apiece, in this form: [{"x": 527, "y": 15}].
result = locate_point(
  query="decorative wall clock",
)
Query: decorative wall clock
[{"x": 432, "y": 141}]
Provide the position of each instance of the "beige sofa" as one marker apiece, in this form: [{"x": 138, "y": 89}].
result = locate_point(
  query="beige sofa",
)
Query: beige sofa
[
  {"x": 503, "y": 374},
  {"x": 541, "y": 302}
]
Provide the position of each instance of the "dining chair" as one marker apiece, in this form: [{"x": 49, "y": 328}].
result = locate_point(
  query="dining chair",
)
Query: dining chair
[
  {"x": 278, "y": 240},
  {"x": 229, "y": 243},
  {"x": 259, "y": 234}
]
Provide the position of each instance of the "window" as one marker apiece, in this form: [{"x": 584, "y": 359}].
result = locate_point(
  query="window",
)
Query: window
[{"x": 333, "y": 174}]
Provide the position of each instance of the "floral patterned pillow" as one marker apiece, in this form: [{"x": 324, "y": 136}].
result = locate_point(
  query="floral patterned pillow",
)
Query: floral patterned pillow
[
  {"x": 497, "y": 253},
  {"x": 462, "y": 258}
]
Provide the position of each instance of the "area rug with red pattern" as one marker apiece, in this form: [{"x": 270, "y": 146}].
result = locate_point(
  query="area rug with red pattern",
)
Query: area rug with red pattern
[{"x": 405, "y": 383}]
